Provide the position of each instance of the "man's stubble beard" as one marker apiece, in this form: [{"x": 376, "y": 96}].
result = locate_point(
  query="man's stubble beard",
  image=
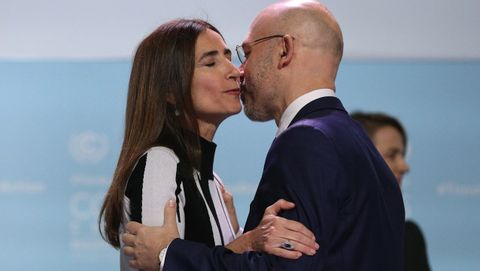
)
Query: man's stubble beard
[{"x": 261, "y": 91}]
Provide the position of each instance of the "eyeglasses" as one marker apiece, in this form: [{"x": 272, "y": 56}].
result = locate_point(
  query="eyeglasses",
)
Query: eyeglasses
[{"x": 241, "y": 52}]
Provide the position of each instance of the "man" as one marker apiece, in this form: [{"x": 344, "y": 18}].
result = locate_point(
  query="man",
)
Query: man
[{"x": 321, "y": 159}]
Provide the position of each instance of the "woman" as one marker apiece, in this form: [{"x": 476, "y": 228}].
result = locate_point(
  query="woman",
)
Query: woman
[
  {"x": 390, "y": 139},
  {"x": 182, "y": 86}
]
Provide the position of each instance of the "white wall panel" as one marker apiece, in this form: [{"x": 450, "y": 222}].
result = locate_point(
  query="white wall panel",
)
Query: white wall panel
[{"x": 48, "y": 29}]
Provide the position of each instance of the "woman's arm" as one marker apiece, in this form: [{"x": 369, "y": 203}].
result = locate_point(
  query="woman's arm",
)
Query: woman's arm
[
  {"x": 153, "y": 182},
  {"x": 277, "y": 235}
]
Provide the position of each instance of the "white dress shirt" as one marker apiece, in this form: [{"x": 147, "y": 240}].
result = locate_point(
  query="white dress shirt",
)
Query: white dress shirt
[{"x": 298, "y": 104}]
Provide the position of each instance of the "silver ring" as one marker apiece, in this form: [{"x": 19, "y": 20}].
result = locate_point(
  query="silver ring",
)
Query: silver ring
[{"x": 287, "y": 245}]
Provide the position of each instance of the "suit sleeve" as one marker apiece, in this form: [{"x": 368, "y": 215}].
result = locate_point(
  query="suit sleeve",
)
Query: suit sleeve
[{"x": 302, "y": 166}]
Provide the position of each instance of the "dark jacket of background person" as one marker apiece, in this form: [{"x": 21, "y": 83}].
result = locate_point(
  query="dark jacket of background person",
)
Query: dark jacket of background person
[{"x": 415, "y": 249}]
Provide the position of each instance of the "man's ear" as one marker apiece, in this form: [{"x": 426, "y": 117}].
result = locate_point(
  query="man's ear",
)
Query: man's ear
[{"x": 286, "y": 55}]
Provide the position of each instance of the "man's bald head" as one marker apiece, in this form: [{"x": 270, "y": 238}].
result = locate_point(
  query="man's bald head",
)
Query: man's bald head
[
  {"x": 313, "y": 26},
  {"x": 293, "y": 47}
]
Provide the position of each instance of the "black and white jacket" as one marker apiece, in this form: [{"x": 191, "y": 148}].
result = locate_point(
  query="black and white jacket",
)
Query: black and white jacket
[{"x": 158, "y": 176}]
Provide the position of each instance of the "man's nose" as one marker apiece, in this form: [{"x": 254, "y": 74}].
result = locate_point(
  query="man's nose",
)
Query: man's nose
[{"x": 242, "y": 75}]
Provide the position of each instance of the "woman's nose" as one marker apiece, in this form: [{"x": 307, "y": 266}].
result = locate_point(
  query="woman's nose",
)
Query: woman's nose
[{"x": 404, "y": 167}]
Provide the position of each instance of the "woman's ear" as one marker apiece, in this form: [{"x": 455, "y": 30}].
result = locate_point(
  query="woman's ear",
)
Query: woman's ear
[
  {"x": 286, "y": 55},
  {"x": 172, "y": 103},
  {"x": 171, "y": 99}
]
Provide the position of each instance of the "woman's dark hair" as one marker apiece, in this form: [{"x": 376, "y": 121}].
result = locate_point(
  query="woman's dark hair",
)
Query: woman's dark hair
[
  {"x": 159, "y": 110},
  {"x": 371, "y": 122}
]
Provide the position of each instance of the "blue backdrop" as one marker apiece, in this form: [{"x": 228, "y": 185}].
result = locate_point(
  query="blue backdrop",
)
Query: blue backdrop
[{"x": 62, "y": 126}]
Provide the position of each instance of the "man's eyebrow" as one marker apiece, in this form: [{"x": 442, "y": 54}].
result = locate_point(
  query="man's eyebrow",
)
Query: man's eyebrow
[{"x": 246, "y": 43}]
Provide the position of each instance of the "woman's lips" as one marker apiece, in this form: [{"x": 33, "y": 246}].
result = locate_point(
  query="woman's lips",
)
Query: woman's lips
[{"x": 234, "y": 91}]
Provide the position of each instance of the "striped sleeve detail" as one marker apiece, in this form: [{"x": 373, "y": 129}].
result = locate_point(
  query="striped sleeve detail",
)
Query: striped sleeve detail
[
  {"x": 152, "y": 183},
  {"x": 134, "y": 190},
  {"x": 159, "y": 184}
]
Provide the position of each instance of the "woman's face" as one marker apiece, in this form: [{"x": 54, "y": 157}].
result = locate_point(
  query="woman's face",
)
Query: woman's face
[
  {"x": 389, "y": 143},
  {"x": 215, "y": 85}
]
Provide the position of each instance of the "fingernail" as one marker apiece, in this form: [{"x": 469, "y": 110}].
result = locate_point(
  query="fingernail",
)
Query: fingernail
[
  {"x": 312, "y": 252},
  {"x": 317, "y": 246},
  {"x": 171, "y": 203}
]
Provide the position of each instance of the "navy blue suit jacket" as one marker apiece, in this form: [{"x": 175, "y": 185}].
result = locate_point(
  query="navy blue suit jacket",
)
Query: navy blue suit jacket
[{"x": 342, "y": 189}]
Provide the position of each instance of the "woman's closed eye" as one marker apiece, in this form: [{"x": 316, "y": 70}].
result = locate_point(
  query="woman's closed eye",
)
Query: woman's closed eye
[{"x": 391, "y": 154}]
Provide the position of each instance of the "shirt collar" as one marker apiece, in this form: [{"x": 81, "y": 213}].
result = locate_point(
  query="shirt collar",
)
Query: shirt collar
[{"x": 294, "y": 107}]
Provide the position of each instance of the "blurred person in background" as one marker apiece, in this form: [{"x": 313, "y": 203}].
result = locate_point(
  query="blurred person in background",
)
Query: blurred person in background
[{"x": 390, "y": 138}]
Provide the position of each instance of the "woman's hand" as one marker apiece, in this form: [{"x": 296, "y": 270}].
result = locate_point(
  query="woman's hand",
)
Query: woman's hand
[
  {"x": 228, "y": 199},
  {"x": 277, "y": 235}
]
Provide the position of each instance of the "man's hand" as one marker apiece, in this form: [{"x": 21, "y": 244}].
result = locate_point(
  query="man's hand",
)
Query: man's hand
[{"x": 144, "y": 243}]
